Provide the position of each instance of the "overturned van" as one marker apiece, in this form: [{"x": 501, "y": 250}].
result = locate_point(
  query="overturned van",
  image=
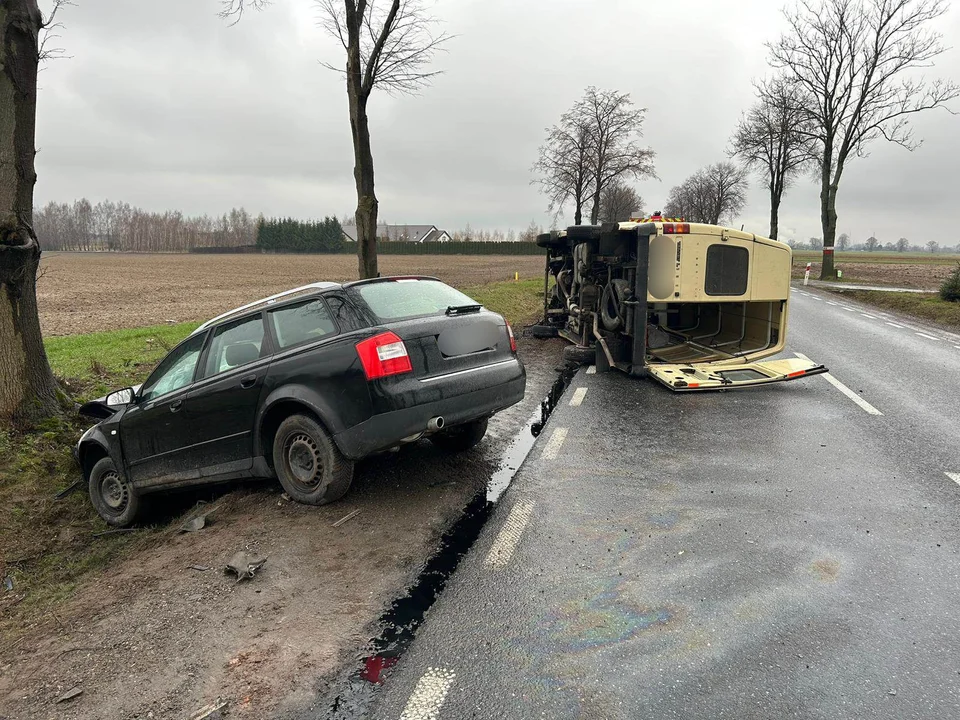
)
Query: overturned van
[{"x": 694, "y": 306}]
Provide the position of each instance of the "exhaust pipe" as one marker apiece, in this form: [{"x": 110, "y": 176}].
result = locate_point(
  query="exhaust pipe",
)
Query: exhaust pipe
[{"x": 435, "y": 424}]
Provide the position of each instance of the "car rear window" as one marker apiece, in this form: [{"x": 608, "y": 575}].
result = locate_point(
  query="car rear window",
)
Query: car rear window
[{"x": 401, "y": 299}]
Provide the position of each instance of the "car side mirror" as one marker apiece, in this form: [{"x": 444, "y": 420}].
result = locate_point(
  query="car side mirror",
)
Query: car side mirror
[{"x": 120, "y": 397}]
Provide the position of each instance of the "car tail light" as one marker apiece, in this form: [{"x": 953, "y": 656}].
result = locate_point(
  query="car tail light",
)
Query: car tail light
[
  {"x": 383, "y": 355},
  {"x": 513, "y": 339}
]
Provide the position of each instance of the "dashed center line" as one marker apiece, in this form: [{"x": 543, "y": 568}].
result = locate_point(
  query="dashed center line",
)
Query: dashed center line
[
  {"x": 872, "y": 317},
  {"x": 867, "y": 407},
  {"x": 578, "y": 396},
  {"x": 509, "y": 536},
  {"x": 833, "y": 303},
  {"x": 954, "y": 476},
  {"x": 849, "y": 309},
  {"x": 895, "y": 325},
  {"x": 552, "y": 448},
  {"x": 429, "y": 695},
  {"x": 928, "y": 337}
]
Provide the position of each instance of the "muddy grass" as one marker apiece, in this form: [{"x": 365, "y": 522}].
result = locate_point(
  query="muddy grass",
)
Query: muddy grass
[
  {"x": 916, "y": 273},
  {"x": 90, "y": 292},
  {"x": 150, "y": 637}
]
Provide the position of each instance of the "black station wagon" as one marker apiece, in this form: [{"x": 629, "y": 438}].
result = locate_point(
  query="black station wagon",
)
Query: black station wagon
[{"x": 300, "y": 385}]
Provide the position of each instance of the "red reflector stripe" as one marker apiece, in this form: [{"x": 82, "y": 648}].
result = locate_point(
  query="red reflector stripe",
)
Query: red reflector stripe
[
  {"x": 693, "y": 384},
  {"x": 383, "y": 355},
  {"x": 797, "y": 374}
]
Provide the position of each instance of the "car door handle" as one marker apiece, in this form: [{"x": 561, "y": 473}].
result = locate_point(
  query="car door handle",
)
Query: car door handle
[
  {"x": 176, "y": 405},
  {"x": 249, "y": 381}
]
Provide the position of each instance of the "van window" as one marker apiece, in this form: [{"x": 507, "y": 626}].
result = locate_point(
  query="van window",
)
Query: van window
[
  {"x": 727, "y": 270},
  {"x": 302, "y": 323}
]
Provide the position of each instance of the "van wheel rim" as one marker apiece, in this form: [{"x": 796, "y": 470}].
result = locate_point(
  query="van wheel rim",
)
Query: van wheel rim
[
  {"x": 114, "y": 492},
  {"x": 303, "y": 459}
]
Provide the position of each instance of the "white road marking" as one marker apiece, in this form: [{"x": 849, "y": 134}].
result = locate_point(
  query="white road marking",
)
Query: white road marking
[
  {"x": 429, "y": 695},
  {"x": 833, "y": 303},
  {"x": 552, "y": 447},
  {"x": 895, "y": 325},
  {"x": 872, "y": 317},
  {"x": 578, "y": 396},
  {"x": 509, "y": 536},
  {"x": 845, "y": 390},
  {"x": 954, "y": 476},
  {"x": 849, "y": 309},
  {"x": 592, "y": 370},
  {"x": 928, "y": 337},
  {"x": 957, "y": 347}
]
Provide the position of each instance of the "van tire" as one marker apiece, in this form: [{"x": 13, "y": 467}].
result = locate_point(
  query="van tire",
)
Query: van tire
[
  {"x": 579, "y": 355},
  {"x": 310, "y": 467},
  {"x": 461, "y": 437},
  {"x": 112, "y": 495}
]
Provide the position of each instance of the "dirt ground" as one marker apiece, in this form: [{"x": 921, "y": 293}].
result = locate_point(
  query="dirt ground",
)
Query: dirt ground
[
  {"x": 142, "y": 290},
  {"x": 152, "y": 638},
  {"x": 908, "y": 275}
]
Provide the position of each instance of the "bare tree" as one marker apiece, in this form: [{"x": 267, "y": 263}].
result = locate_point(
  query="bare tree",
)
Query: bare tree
[
  {"x": 595, "y": 144},
  {"x": 774, "y": 139},
  {"x": 389, "y": 44},
  {"x": 902, "y": 245},
  {"x": 872, "y": 244},
  {"x": 619, "y": 202},
  {"x": 234, "y": 9},
  {"x": 853, "y": 60},
  {"x": 711, "y": 195},
  {"x": 933, "y": 245},
  {"x": 843, "y": 242},
  {"x": 27, "y": 388},
  {"x": 564, "y": 165}
]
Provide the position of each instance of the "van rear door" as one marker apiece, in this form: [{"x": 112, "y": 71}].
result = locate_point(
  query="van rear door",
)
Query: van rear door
[{"x": 712, "y": 376}]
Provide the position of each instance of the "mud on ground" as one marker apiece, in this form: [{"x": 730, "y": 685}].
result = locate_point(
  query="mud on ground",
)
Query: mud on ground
[
  {"x": 916, "y": 276},
  {"x": 151, "y": 637},
  {"x": 75, "y": 289}
]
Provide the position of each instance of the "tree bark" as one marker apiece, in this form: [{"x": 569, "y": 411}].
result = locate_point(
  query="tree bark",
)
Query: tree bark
[
  {"x": 28, "y": 390},
  {"x": 828, "y": 221},
  {"x": 595, "y": 210},
  {"x": 774, "y": 215},
  {"x": 367, "y": 205}
]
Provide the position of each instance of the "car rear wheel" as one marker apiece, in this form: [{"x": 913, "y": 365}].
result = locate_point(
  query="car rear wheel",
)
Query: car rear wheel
[
  {"x": 114, "y": 498},
  {"x": 309, "y": 466},
  {"x": 461, "y": 437}
]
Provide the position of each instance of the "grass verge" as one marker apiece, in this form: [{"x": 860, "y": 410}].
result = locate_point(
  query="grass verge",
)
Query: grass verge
[
  {"x": 927, "y": 307},
  {"x": 47, "y": 546}
]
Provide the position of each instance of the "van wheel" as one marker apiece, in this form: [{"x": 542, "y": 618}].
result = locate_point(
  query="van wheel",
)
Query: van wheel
[
  {"x": 309, "y": 466},
  {"x": 113, "y": 497},
  {"x": 579, "y": 355},
  {"x": 461, "y": 437}
]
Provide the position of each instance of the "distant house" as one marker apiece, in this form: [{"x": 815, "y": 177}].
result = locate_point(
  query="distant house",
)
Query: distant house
[{"x": 402, "y": 233}]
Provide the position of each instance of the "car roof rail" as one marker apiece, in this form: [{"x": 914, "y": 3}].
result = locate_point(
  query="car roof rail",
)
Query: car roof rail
[{"x": 265, "y": 301}]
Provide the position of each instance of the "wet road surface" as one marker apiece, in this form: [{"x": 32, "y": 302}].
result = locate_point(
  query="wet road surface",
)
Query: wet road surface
[{"x": 783, "y": 552}]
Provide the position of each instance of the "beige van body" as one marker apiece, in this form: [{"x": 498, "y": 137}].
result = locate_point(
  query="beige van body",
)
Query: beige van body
[{"x": 695, "y": 306}]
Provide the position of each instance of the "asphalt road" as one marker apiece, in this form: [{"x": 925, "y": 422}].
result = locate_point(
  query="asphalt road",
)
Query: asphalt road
[{"x": 781, "y": 552}]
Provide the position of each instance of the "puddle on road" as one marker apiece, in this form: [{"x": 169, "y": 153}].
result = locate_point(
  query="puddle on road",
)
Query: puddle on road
[{"x": 406, "y": 614}]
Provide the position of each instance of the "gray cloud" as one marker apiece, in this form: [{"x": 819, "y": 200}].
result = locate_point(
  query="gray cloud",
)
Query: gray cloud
[{"x": 166, "y": 106}]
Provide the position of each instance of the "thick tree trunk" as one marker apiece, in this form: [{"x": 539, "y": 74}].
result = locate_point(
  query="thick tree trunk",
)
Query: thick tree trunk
[
  {"x": 774, "y": 214},
  {"x": 828, "y": 221},
  {"x": 28, "y": 390},
  {"x": 367, "y": 205},
  {"x": 595, "y": 210}
]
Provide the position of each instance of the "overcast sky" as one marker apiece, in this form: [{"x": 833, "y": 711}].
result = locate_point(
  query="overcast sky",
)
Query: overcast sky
[{"x": 165, "y": 106}]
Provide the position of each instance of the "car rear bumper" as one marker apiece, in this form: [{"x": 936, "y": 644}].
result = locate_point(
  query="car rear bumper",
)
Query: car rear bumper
[{"x": 457, "y": 398}]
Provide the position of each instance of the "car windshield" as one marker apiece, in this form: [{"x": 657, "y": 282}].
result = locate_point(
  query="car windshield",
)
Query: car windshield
[{"x": 400, "y": 299}]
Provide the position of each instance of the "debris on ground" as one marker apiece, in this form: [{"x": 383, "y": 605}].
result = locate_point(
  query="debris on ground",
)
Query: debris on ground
[
  {"x": 7, "y": 583},
  {"x": 198, "y": 568},
  {"x": 210, "y": 712},
  {"x": 115, "y": 531},
  {"x": 70, "y": 694},
  {"x": 244, "y": 565},
  {"x": 69, "y": 489},
  {"x": 345, "y": 518},
  {"x": 194, "y": 524}
]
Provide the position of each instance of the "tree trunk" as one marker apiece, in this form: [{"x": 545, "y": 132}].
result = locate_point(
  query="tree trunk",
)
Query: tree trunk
[
  {"x": 828, "y": 221},
  {"x": 578, "y": 216},
  {"x": 28, "y": 390},
  {"x": 367, "y": 205},
  {"x": 774, "y": 214},
  {"x": 595, "y": 210}
]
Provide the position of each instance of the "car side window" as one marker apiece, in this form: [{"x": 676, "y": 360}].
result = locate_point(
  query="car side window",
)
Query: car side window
[
  {"x": 235, "y": 344},
  {"x": 343, "y": 314},
  {"x": 303, "y": 323},
  {"x": 175, "y": 371}
]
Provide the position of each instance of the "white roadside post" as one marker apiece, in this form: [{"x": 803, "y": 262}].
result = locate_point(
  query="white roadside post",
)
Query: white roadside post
[{"x": 806, "y": 275}]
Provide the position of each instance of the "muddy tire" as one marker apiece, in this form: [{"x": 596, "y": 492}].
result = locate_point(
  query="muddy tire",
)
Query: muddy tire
[
  {"x": 578, "y": 355},
  {"x": 309, "y": 466},
  {"x": 113, "y": 497},
  {"x": 461, "y": 437}
]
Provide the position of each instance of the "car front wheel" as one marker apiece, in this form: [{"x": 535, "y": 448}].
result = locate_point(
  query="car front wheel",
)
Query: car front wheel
[
  {"x": 114, "y": 498},
  {"x": 309, "y": 466},
  {"x": 461, "y": 437}
]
